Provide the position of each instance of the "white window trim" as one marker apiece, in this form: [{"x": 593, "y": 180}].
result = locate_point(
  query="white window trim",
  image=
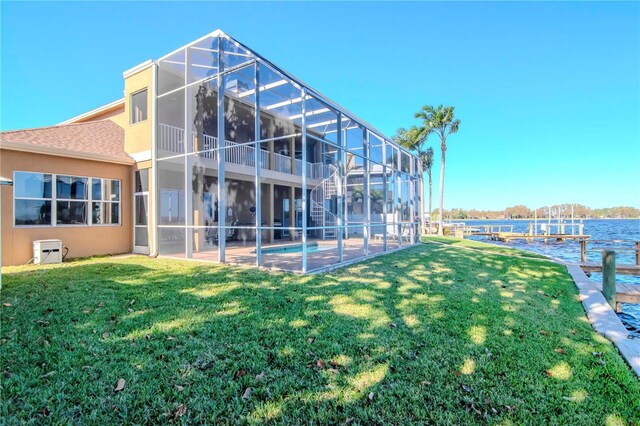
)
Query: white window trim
[
  {"x": 104, "y": 200},
  {"x": 15, "y": 198},
  {"x": 54, "y": 200},
  {"x": 77, "y": 200}
]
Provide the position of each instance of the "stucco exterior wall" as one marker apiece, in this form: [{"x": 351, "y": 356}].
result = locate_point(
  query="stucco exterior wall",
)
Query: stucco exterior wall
[
  {"x": 82, "y": 240},
  {"x": 115, "y": 114},
  {"x": 118, "y": 117},
  {"x": 137, "y": 136}
]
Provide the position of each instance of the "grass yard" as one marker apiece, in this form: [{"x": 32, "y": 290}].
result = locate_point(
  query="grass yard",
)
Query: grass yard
[
  {"x": 479, "y": 245},
  {"x": 432, "y": 334}
]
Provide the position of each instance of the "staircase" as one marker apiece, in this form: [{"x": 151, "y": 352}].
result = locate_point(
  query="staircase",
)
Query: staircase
[{"x": 319, "y": 214}]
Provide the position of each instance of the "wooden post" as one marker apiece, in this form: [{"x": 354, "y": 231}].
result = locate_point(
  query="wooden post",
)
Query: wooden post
[
  {"x": 637, "y": 252},
  {"x": 609, "y": 277},
  {"x": 583, "y": 251}
]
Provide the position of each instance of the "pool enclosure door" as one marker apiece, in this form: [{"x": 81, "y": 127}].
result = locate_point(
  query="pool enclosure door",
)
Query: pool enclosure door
[
  {"x": 286, "y": 213},
  {"x": 140, "y": 226}
]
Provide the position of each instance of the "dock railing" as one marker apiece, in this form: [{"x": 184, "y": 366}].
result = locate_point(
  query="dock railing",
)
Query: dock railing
[
  {"x": 486, "y": 229},
  {"x": 615, "y": 292},
  {"x": 617, "y": 245},
  {"x": 561, "y": 228}
]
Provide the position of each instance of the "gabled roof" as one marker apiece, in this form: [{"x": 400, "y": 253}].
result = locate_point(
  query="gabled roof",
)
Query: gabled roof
[{"x": 94, "y": 140}]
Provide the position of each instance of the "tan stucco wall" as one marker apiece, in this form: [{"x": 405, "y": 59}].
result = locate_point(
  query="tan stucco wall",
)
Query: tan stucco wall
[
  {"x": 137, "y": 136},
  {"x": 115, "y": 114},
  {"x": 17, "y": 243},
  {"x": 119, "y": 118}
]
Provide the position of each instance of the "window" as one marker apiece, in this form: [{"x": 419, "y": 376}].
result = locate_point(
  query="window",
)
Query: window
[
  {"x": 105, "y": 201},
  {"x": 142, "y": 180},
  {"x": 48, "y": 199},
  {"x": 32, "y": 203},
  {"x": 71, "y": 200},
  {"x": 139, "y": 106}
]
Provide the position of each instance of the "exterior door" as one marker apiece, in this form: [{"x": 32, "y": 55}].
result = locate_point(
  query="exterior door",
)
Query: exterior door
[{"x": 141, "y": 224}]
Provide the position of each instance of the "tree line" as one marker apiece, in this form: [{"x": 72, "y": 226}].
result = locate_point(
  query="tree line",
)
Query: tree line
[
  {"x": 441, "y": 122},
  {"x": 523, "y": 212}
]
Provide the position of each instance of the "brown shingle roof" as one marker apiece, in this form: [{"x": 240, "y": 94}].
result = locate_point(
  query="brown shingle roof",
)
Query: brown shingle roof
[{"x": 100, "y": 140}]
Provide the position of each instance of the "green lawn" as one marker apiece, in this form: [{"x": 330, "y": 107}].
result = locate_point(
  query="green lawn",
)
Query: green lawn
[
  {"x": 430, "y": 334},
  {"x": 479, "y": 245}
]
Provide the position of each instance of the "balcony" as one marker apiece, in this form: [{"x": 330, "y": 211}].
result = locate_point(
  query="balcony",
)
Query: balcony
[{"x": 171, "y": 143}]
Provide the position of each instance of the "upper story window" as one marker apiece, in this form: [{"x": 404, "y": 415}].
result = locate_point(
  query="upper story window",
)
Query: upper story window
[
  {"x": 49, "y": 199},
  {"x": 139, "y": 106}
]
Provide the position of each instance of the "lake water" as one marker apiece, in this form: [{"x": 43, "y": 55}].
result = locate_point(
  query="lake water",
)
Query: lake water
[{"x": 598, "y": 229}]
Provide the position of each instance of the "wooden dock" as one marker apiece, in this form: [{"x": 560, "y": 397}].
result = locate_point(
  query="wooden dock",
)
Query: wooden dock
[
  {"x": 509, "y": 236},
  {"x": 615, "y": 292},
  {"x": 589, "y": 267},
  {"x": 505, "y": 233},
  {"x": 625, "y": 293}
]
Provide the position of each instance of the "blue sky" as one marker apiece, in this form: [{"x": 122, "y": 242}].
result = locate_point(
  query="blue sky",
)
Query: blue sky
[{"x": 548, "y": 93}]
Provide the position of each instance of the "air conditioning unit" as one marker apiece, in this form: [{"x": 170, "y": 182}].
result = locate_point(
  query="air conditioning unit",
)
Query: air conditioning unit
[{"x": 47, "y": 251}]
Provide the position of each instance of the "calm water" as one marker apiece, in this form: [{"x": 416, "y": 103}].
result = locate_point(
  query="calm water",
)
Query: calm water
[{"x": 598, "y": 229}]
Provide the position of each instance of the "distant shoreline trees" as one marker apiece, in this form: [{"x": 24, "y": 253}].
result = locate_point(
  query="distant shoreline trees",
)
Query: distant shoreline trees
[
  {"x": 442, "y": 122},
  {"x": 523, "y": 212}
]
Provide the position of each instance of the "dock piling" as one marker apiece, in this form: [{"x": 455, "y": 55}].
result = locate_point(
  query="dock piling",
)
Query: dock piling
[
  {"x": 583, "y": 251},
  {"x": 609, "y": 278}
]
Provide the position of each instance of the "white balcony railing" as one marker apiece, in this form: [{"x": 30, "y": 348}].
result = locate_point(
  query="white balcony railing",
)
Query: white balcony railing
[
  {"x": 281, "y": 163},
  {"x": 170, "y": 138},
  {"x": 264, "y": 159},
  {"x": 171, "y": 141},
  {"x": 317, "y": 171}
]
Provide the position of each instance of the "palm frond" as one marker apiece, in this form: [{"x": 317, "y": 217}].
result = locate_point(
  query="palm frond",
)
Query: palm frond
[{"x": 440, "y": 120}]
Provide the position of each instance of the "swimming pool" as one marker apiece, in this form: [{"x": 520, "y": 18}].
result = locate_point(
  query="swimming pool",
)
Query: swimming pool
[{"x": 295, "y": 248}]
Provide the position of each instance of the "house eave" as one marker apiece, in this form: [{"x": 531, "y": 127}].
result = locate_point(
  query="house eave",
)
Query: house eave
[
  {"x": 140, "y": 67},
  {"x": 60, "y": 152}
]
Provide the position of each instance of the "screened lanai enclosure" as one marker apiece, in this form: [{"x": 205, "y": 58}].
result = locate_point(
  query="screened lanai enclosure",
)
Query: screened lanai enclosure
[{"x": 254, "y": 167}]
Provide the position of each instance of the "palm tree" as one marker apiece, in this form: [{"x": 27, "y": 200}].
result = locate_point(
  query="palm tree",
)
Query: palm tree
[
  {"x": 415, "y": 139},
  {"x": 426, "y": 158},
  {"x": 440, "y": 120}
]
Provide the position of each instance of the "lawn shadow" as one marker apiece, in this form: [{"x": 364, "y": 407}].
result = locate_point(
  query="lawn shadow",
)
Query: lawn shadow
[{"x": 437, "y": 334}]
